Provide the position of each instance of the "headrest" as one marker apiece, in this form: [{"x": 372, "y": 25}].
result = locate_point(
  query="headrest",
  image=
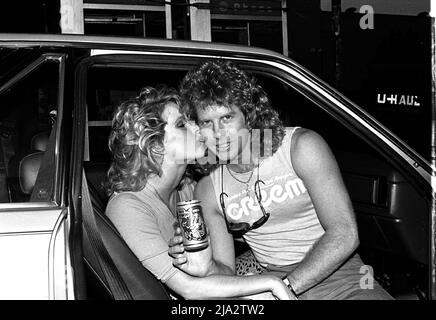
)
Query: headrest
[
  {"x": 39, "y": 141},
  {"x": 28, "y": 171}
]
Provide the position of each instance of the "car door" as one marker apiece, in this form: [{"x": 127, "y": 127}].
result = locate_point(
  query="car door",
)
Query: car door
[{"x": 34, "y": 218}]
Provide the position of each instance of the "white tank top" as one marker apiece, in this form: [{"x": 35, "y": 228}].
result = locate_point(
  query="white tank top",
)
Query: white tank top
[{"x": 293, "y": 226}]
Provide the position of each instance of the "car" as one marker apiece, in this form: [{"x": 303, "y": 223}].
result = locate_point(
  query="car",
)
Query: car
[{"x": 57, "y": 97}]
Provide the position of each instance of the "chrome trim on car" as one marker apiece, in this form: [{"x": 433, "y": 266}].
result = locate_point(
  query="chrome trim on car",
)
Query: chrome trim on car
[{"x": 51, "y": 255}]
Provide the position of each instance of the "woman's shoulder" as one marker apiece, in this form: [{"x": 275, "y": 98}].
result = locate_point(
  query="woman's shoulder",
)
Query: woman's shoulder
[
  {"x": 121, "y": 197},
  {"x": 124, "y": 202}
]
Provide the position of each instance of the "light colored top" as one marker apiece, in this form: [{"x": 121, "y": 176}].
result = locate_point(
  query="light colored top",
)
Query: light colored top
[
  {"x": 293, "y": 226},
  {"x": 146, "y": 225}
]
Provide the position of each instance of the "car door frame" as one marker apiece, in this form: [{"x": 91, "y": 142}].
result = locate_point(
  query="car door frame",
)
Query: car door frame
[
  {"x": 411, "y": 164},
  {"x": 30, "y": 222}
]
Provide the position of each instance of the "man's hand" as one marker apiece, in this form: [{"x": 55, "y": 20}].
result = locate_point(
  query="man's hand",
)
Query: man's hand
[{"x": 194, "y": 263}]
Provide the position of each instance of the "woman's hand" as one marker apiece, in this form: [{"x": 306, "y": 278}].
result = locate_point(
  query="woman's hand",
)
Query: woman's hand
[
  {"x": 280, "y": 290},
  {"x": 194, "y": 263}
]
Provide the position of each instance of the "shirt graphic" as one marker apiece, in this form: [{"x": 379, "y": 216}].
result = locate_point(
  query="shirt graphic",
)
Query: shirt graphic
[{"x": 273, "y": 192}]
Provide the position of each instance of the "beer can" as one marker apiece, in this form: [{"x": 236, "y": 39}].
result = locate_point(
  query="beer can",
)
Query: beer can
[{"x": 194, "y": 232}]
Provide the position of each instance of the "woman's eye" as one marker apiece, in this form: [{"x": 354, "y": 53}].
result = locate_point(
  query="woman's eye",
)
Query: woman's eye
[
  {"x": 181, "y": 124},
  {"x": 227, "y": 118},
  {"x": 204, "y": 124}
]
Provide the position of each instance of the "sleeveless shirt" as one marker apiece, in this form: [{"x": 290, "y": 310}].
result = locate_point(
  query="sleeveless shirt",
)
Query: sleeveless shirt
[{"x": 293, "y": 226}]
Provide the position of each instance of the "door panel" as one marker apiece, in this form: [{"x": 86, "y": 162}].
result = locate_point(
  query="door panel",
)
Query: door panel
[{"x": 33, "y": 254}]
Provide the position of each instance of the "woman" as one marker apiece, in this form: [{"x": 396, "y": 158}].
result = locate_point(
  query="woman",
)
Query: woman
[{"x": 151, "y": 143}]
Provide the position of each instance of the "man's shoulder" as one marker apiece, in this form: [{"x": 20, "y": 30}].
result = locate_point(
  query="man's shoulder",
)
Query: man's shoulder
[{"x": 301, "y": 137}]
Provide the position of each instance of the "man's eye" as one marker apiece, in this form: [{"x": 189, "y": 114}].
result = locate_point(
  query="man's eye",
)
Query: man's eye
[
  {"x": 204, "y": 123},
  {"x": 227, "y": 118}
]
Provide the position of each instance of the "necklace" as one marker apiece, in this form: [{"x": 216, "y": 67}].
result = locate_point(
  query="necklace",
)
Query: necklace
[{"x": 247, "y": 186}]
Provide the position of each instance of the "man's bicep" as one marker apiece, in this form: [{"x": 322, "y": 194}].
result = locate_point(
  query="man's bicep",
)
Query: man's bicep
[
  {"x": 317, "y": 166},
  {"x": 221, "y": 240}
]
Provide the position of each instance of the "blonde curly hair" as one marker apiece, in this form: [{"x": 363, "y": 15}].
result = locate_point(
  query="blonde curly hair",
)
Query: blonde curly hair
[{"x": 136, "y": 138}]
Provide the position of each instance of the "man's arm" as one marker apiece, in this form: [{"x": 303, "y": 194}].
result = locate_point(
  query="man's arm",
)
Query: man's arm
[
  {"x": 315, "y": 164},
  {"x": 219, "y": 257}
]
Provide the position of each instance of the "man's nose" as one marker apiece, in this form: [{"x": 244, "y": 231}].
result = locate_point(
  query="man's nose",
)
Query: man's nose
[{"x": 219, "y": 131}]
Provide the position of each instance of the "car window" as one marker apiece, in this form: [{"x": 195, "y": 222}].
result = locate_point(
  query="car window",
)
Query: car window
[
  {"x": 27, "y": 109},
  {"x": 297, "y": 110}
]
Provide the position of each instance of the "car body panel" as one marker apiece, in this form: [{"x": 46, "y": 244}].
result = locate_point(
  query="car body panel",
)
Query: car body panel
[{"x": 34, "y": 254}]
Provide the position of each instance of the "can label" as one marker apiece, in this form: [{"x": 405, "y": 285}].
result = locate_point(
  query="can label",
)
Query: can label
[{"x": 190, "y": 216}]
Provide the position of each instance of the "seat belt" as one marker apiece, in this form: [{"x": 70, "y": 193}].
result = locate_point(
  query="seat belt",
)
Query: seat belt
[{"x": 113, "y": 278}]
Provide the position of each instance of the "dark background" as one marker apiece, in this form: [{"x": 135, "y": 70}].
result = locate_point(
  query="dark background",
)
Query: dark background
[{"x": 394, "y": 58}]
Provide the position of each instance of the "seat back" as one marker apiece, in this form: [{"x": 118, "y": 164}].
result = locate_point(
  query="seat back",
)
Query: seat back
[
  {"x": 28, "y": 171},
  {"x": 23, "y": 168},
  {"x": 141, "y": 283},
  {"x": 40, "y": 141}
]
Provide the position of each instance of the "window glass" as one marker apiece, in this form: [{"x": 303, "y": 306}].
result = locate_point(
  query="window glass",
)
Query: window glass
[
  {"x": 26, "y": 113},
  {"x": 263, "y": 34},
  {"x": 297, "y": 110},
  {"x": 150, "y": 24}
]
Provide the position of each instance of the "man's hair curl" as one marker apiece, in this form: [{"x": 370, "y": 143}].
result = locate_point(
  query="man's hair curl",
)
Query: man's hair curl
[{"x": 222, "y": 83}]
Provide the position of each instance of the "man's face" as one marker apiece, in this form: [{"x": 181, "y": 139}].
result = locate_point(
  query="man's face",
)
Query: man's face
[{"x": 226, "y": 132}]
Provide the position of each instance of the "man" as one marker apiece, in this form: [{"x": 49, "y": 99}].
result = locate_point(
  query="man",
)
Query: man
[{"x": 287, "y": 199}]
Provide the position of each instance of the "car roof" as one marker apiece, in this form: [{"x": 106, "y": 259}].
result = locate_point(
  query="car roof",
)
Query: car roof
[{"x": 112, "y": 42}]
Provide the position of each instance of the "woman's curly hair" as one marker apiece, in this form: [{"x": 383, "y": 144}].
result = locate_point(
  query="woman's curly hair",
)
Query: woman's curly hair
[
  {"x": 222, "y": 83},
  {"x": 136, "y": 138}
]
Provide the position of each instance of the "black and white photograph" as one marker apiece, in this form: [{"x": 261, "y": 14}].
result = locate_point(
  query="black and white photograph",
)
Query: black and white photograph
[{"x": 215, "y": 157}]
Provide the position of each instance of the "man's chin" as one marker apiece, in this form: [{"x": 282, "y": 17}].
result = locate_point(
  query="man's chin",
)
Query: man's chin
[
  {"x": 229, "y": 159},
  {"x": 218, "y": 157}
]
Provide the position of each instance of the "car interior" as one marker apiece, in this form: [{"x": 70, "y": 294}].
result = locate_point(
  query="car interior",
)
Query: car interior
[
  {"x": 26, "y": 121},
  {"x": 392, "y": 212}
]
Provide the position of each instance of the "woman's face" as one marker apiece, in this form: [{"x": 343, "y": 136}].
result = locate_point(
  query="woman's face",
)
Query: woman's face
[{"x": 183, "y": 142}]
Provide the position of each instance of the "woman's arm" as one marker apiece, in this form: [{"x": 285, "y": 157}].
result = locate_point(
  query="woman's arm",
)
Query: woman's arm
[
  {"x": 141, "y": 232},
  {"x": 225, "y": 286},
  {"x": 315, "y": 164}
]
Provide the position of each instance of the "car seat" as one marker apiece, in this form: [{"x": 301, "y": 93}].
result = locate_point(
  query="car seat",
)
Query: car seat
[
  {"x": 23, "y": 168},
  {"x": 140, "y": 282}
]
